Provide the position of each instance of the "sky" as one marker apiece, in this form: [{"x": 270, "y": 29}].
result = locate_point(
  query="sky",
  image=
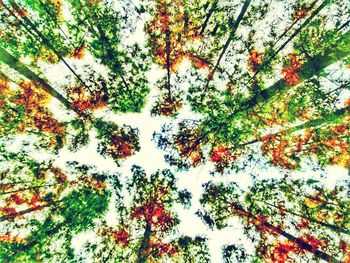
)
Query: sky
[{"x": 152, "y": 159}]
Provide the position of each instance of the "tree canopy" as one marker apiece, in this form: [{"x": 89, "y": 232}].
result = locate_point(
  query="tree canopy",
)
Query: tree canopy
[{"x": 174, "y": 131}]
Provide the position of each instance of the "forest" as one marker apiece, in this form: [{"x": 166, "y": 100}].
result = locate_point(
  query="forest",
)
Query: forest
[{"x": 185, "y": 131}]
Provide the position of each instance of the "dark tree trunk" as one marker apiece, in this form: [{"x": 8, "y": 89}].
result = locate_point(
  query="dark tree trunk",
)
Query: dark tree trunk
[
  {"x": 21, "y": 68},
  {"x": 143, "y": 252}
]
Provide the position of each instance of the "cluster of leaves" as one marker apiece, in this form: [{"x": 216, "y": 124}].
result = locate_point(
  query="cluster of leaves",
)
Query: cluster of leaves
[
  {"x": 277, "y": 97},
  {"x": 284, "y": 219},
  {"x": 146, "y": 228},
  {"x": 43, "y": 205},
  {"x": 117, "y": 142}
]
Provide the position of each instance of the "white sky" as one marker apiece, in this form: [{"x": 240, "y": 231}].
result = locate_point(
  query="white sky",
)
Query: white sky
[{"x": 151, "y": 159}]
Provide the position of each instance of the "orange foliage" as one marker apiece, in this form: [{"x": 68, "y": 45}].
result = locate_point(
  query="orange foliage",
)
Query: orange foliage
[
  {"x": 341, "y": 148},
  {"x": 121, "y": 237},
  {"x": 281, "y": 148},
  {"x": 169, "y": 19},
  {"x": 8, "y": 210},
  {"x": 276, "y": 146},
  {"x": 345, "y": 248},
  {"x": 83, "y": 101},
  {"x": 59, "y": 174},
  {"x": 120, "y": 149},
  {"x": 197, "y": 61},
  {"x": 300, "y": 13},
  {"x": 160, "y": 248},
  {"x": 314, "y": 242},
  {"x": 291, "y": 72},
  {"x": 221, "y": 155},
  {"x": 304, "y": 223},
  {"x": 280, "y": 251},
  {"x": 17, "y": 199},
  {"x": 218, "y": 154},
  {"x": 192, "y": 151},
  {"x": 11, "y": 239},
  {"x": 79, "y": 52},
  {"x": 4, "y": 85},
  {"x": 34, "y": 101},
  {"x": 255, "y": 60},
  {"x": 154, "y": 212},
  {"x": 169, "y": 106},
  {"x": 347, "y": 102}
]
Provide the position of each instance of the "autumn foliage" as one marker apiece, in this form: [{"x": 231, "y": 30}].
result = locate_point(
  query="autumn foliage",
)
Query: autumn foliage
[
  {"x": 255, "y": 60},
  {"x": 169, "y": 20},
  {"x": 290, "y": 72}
]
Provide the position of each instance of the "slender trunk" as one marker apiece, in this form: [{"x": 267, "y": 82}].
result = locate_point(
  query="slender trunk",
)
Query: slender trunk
[
  {"x": 344, "y": 25},
  {"x": 54, "y": 18},
  {"x": 117, "y": 65},
  {"x": 278, "y": 230},
  {"x": 324, "y": 224},
  {"x": 209, "y": 14},
  {"x": 47, "y": 42},
  {"x": 14, "y": 183},
  {"x": 310, "y": 124},
  {"x": 11, "y": 216},
  {"x": 227, "y": 43},
  {"x": 21, "y": 68},
  {"x": 143, "y": 252},
  {"x": 309, "y": 69},
  {"x": 28, "y": 188},
  {"x": 292, "y": 25},
  {"x": 167, "y": 46},
  {"x": 213, "y": 32},
  {"x": 296, "y": 32},
  {"x": 109, "y": 254}
]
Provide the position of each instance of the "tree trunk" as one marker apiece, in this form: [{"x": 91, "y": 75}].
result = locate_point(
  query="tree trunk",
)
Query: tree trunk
[
  {"x": 143, "y": 252},
  {"x": 209, "y": 14},
  {"x": 47, "y": 42},
  {"x": 167, "y": 47},
  {"x": 26, "y": 211},
  {"x": 310, "y": 68},
  {"x": 227, "y": 43},
  {"x": 296, "y": 32},
  {"x": 310, "y": 124},
  {"x": 21, "y": 68},
  {"x": 330, "y": 226},
  {"x": 292, "y": 25},
  {"x": 278, "y": 230}
]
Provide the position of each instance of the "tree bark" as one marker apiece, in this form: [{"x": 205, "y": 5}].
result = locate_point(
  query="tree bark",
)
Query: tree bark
[
  {"x": 167, "y": 47},
  {"x": 21, "y": 68},
  {"x": 312, "y": 67},
  {"x": 143, "y": 252},
  {"x": 209, "y": 14},
  {"x": 227, "y": 43},
  {"x": 296, "y": 32},
  {"x": 330, "y": 226},
  {"x": 278, "y": 230},
  {"x": 47, "y": 43}
]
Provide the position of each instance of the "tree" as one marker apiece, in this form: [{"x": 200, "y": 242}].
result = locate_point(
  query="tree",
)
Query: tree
[
  {"x": 146, "y": 224},
  {"x": 117, "y": 142},
  {"x": 225, "y": 130},
  {"x": 285, "y": 219},
  {"x": 127, "y": 64},
  {"x": 43, "y": 205}
]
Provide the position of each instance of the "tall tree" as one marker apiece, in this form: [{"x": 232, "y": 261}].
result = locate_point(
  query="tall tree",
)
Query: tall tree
[
  {"x": 285, "y": 219},
  {"x": 146, "y": 228}
]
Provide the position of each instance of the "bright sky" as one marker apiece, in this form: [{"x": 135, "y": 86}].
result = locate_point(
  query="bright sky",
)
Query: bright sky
[{"x": 151, "y": 159}]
